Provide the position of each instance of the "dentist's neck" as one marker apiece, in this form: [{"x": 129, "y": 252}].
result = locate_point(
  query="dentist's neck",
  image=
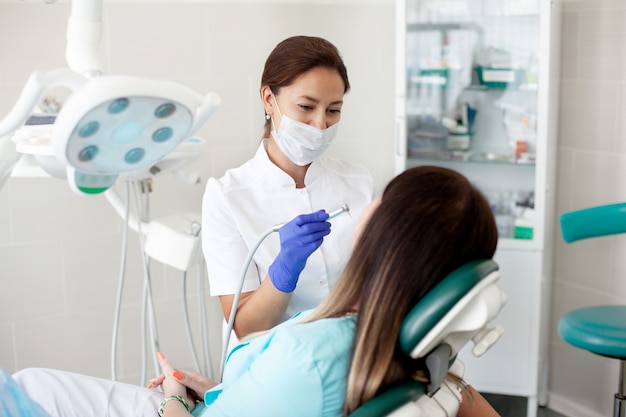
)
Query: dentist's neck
[{"x": 278, "y": 158}]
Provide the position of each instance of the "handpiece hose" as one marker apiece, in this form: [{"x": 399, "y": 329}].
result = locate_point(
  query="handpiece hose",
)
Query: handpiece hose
[{"x": 246, "y": 265}]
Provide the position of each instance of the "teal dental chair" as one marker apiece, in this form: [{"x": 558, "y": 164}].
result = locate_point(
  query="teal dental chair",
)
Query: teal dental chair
[
  {"x": 598, "y": 329},
  {"x": 456, "y": 311}
]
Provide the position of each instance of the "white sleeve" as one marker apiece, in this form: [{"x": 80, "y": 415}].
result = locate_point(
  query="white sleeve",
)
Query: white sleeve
[{"x": 223, "y": 246}]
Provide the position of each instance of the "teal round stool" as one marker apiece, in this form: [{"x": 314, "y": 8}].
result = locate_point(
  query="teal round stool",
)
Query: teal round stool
[{"x": 598, "y": 329}]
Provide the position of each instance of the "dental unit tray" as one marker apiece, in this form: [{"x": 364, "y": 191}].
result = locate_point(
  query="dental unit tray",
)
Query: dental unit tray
[{"x": 34, "y": 142}]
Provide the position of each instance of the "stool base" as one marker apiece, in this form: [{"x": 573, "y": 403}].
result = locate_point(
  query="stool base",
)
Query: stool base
[
  {"x": 619, "y": 401},
  {"x": 619, "y": 406}
]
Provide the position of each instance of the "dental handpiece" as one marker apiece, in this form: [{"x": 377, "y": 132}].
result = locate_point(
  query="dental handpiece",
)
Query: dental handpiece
[
  {"x": 331, "y": 215},
  {"x": 340, "y": 210},
  {"x": 234, "y": 306}
]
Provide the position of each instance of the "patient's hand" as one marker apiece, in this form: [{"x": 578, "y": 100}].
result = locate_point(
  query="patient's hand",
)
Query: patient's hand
[
  {"x": 156, "y": 382},
  {"x": 196, "y": 384},
  {"x": 171, "y": 384}
]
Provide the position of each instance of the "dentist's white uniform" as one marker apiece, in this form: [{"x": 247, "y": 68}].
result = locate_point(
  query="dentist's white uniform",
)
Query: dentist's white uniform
[{"x": 247, "y": 201}]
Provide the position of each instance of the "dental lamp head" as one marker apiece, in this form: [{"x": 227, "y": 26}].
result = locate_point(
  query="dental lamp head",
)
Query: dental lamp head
[
  {"x": 118, "y": 124},
  {"x": 110, "y": 125}
]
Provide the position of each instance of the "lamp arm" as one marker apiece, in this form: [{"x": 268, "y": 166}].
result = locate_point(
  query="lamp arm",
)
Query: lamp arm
[
  {"x": 32, "y": 92},
  {"x": 84, "y": 29},
  {"x": 8, "y": 158},
  {"x": 210, "y": 103}
]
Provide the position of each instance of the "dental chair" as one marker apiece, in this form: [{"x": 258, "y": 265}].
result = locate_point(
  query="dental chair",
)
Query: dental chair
[
  {"x": 598, "y": 329},
  {"x": 456, "y": 311}
]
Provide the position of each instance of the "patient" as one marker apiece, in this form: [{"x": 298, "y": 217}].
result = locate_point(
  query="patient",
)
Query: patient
[{"x": 327, "y": 361}]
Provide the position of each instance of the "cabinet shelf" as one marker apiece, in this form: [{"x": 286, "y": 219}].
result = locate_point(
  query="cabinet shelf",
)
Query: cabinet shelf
[
  {"x": 505, "y": 243},
  {"x": 532, "y": 88},
  {"x": 443, "y": 27},
  {"x": 480, "y": 158},
  {"x": 439, "y": 78}
]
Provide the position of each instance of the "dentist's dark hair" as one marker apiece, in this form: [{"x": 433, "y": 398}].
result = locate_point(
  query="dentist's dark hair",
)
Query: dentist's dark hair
[
  {"x": 430, "y": 221},
  {"x": 296, "y": 55}
]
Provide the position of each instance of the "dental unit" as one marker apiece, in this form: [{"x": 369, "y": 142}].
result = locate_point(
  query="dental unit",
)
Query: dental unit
[
  {"x": 110, "y": 128},
  {"x": 246, "y": 264}
]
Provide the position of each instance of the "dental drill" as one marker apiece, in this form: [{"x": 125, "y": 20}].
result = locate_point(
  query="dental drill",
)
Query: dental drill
[
  {"x": 331, "y": 215},
  {"x": 231, "y": 320}
]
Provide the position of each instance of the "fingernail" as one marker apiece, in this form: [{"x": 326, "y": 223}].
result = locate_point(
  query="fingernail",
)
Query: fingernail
[
  {"x": 177, "y": 375},
  {"x": 160, "y": 355}
]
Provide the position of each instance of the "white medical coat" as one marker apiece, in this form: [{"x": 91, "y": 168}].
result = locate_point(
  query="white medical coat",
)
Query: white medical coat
[{"x": 247, "y": 201}]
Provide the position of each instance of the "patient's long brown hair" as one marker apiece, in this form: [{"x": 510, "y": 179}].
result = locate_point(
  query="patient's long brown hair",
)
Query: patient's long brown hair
[{"x": 430, "y": 221}]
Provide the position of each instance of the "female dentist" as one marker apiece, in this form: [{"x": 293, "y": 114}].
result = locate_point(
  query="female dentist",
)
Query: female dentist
[{"x": 302, "y": 89}]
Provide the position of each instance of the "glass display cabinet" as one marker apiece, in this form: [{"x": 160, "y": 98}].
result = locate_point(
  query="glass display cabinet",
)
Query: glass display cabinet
[{"x": 476, "y": 91}]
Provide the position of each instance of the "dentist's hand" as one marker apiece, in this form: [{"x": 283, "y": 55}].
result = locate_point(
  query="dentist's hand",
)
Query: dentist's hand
[{"x": 298, "y": 240}]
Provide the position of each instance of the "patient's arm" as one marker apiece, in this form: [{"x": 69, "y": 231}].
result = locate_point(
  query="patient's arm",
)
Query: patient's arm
[
  {"x": 475, "y": 405},
  {"x": 197, "y": 384}
]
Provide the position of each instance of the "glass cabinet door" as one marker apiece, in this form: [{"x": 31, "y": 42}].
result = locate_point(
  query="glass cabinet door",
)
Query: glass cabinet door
[
  {"x": 476, "y": 92},
  {"x": 472, "y": 82}
]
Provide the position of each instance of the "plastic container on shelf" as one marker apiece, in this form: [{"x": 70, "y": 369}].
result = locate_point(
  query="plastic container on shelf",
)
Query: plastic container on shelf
[
  {"x": 520, "y": 126},
  {"x": 428, "y": 139},
  {"x": 500, "y": 203},
  {"x": 431, "y": 76},
  {"x": 458, "y": 137},
  {"x": 524, "y": 225},
  {"x": 458, "y": 141},
  {"x": 492, "y": 77}
]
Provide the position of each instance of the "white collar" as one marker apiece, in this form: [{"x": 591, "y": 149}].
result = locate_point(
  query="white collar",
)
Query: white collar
[{"x": 280, "y": 177}]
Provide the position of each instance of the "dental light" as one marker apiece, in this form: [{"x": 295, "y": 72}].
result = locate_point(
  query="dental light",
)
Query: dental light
[
  {"x": 114, "y": 127},
  {"x": 110, "y": 124}
]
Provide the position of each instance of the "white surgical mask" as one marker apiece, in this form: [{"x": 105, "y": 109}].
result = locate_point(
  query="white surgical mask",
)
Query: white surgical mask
[{"x": 300, "y": 142}]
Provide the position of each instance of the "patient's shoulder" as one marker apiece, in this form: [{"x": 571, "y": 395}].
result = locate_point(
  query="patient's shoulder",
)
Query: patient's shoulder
[{"x": 324, "y": 340}]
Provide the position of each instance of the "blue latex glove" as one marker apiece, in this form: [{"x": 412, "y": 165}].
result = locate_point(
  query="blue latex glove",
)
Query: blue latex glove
[{"x": 298, "y": 240}]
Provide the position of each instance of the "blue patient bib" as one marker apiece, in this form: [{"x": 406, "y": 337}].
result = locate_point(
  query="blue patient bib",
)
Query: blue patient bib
[{"x": 14, "y": 402}]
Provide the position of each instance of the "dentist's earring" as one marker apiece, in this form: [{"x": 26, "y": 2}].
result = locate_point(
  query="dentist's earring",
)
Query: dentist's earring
[{"x": 267, "y": 116}]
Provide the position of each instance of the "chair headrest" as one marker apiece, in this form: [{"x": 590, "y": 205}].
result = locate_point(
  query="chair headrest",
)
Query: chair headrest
[{"x": 454, "y": 311}]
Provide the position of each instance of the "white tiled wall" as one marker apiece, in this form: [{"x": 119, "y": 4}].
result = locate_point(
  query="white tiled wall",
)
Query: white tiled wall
[
  {"x": 591, "y": 171},
  {"x": 60, "y": 253}
]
